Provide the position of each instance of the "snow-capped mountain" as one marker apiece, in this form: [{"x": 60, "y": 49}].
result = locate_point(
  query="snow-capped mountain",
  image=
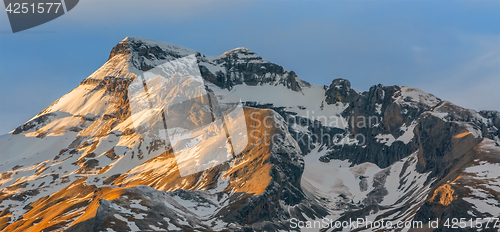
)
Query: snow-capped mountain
[{"x": 314, "y": 154}]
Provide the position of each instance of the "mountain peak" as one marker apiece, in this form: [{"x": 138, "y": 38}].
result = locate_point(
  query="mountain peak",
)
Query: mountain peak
[
  {"x": 136, "y": 43},
  {"x": 238, "y": 49},
  {"x": 242, "y": 53},
  {"x": 133, "y": 55},
  {"x": 145, "y": 54}
]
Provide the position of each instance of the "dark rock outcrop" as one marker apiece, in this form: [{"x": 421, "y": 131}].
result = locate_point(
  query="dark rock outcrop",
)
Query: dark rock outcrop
[{"x": 340, "y": 91}]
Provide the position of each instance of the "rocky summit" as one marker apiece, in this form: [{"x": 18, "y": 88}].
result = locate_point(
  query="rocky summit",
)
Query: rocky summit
[{"x": 313, "y": 154}]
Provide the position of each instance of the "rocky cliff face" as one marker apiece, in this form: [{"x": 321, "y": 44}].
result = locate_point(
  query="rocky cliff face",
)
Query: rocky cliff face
[
  {"x": 314, "y": 153},
  {"x": 340, "y": 91}
]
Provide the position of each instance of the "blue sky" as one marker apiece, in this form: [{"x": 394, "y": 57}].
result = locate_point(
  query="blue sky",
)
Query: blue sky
[{"x": 448, "y": 48}]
